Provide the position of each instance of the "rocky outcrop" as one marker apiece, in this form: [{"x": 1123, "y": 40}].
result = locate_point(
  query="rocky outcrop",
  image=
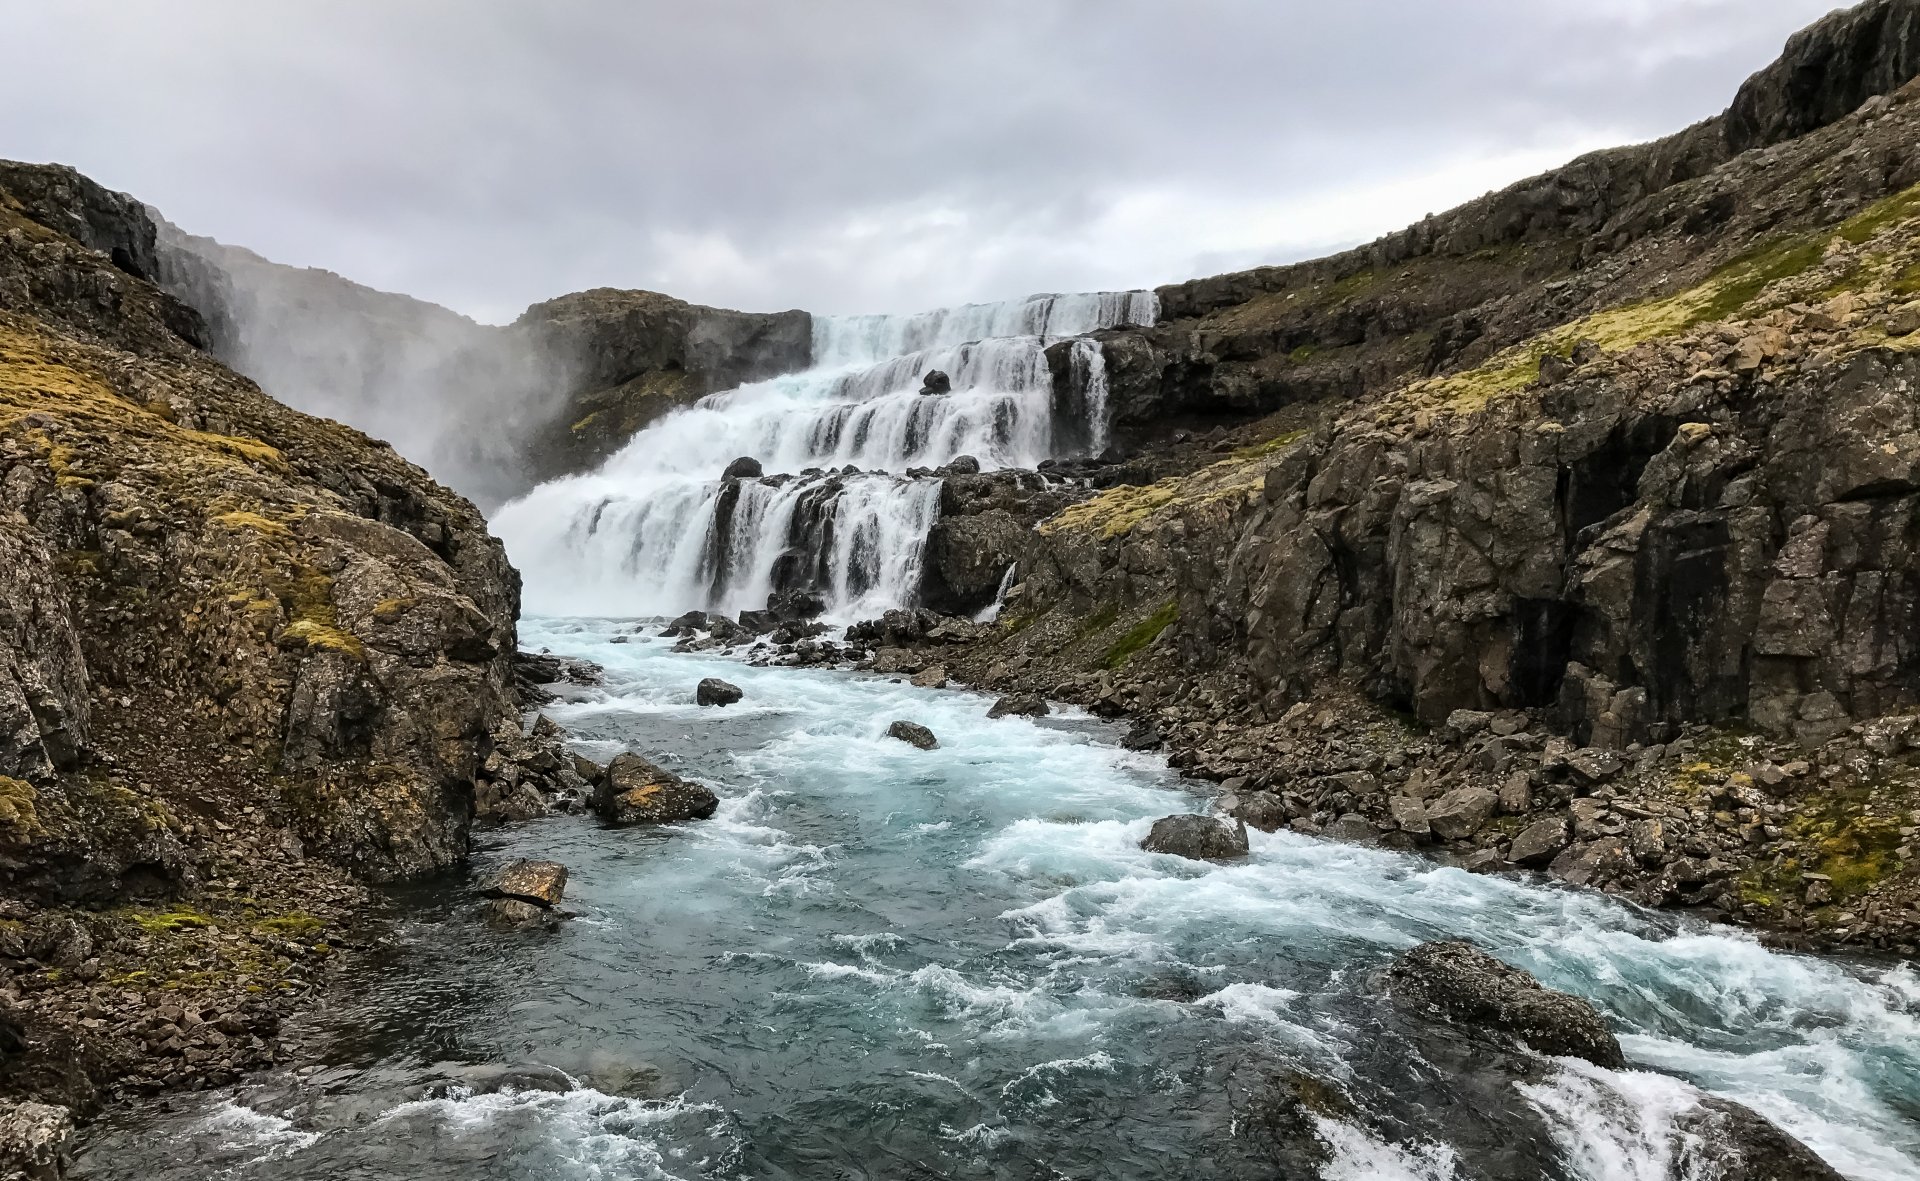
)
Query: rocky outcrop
[
  {"x": 1459, "y": 983},
  {"x": 33, "y": 1140},
  {"x": 246, "y": 658}
]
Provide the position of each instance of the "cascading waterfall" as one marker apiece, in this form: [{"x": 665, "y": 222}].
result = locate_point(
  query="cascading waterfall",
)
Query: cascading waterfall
[{"x": 844, "y": 507}]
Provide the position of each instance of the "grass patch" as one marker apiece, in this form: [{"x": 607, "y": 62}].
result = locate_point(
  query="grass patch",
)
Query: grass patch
[
  {"x": 1141, "y": 634},
  {"x": 168, "y": 921},
  {"x": 1277, "y": 443}
]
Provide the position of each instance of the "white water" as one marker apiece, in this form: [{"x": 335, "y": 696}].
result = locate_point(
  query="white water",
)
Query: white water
[
  {"x": 649, "y": 531},
  {"x": 877, "y": 961}
]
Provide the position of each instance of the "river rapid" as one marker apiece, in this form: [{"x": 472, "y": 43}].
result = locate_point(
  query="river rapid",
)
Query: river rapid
[{"x": 881, "y": 962}]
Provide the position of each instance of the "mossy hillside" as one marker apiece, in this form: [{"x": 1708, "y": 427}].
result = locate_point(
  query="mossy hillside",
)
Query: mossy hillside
[
  {"x": 1142, "y": 634},
  {"x": 1768, "y": 276},
  {"x": 1118, "y": 511}
]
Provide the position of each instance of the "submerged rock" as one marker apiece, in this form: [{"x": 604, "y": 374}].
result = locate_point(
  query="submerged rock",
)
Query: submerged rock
[
  {"x": 1201, "y": 838},
  {"x": 1465, "y": 986},
  {"x": 518, "y": 914},
  {"x": 540, "y": 882},
  {"x": 1023, "y": 705},
  {"x": 1725, "y": 1140},
  {"x": 635, "y": 791},
  {"x": 714, "y": 691},
  {"x": 913, "y": 734}
]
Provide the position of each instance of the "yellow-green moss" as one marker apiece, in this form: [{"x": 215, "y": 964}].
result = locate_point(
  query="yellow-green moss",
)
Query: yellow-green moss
[
  {"x": 1115, "y": 511},
  {"x": 293, "y": 924},
  {"x": 306, "y": 633},
  {"x": 390, "y": 610},
  {"x": 1277, "y": 443},
  {"x": 166, "y": 921},
  {"x": 1881, "y": 214},
  {"x": 1140, "y": 635},
  {"x": 256, "y": 522},
  {"x": 19, "y": 812}
]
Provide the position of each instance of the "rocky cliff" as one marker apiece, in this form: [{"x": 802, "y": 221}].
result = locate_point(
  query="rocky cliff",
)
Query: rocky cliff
[
  {"x": 248, "y": 659},
  {"x": 490, "y": 410},
  {"x": 1622, "y": 457}
]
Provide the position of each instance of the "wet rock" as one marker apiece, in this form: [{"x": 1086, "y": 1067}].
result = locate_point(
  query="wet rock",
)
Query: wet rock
[
  {"x": 540, "y": 882},
  {"x": 1539, "y": 842},
  {"x": 1200, "y": 838},
  {"x": 796, "y": 606},
  {"x": 1410, "y": 815},
  {"x": 1261, "y": 810},
  {"x": 1352, "y": 828},
  {"x": 33, "y": 1140},
  {"x": 1584, "y": 864},
  {"x": 1460, "y": 813},
  {"x": 1458, "y": 983},
  {"x": 714, "y": 691},
  {"x": 519, "y": 914},
  {"x": 1142, "y": 735},
  {"x": 936, "y": 382},
  {"x": 589, "y": 771},
  {"x": 1026, "y": 705},
  {"x": 913, "y": 734},
  {"x": 931, "y": 678},
  {"x": 963, "y": 465},
  {"x": 1730, "y": 1142},
  {"x": 686, "y": 625},
  {"x": 635, "y": 791},
  {"x": 744, "y": 468}
]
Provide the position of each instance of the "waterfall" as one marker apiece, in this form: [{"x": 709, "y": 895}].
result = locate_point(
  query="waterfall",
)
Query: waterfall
[{"x": 845, "y": 505}]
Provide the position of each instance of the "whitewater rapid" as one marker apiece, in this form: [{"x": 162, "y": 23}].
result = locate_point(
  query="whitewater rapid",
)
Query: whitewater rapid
[
  {"x": 881, "y": 962},
  {"x": 654, "y": 530}
]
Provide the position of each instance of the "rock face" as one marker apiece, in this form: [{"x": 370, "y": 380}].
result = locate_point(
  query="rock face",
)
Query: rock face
[
  {"x": 1200, "y": 838},
  {"x": 635, "y": 791},
  {"x": 714, "y": 691},
  {"x": 238, "y": 645},
  {"x": 1461, "y": 984},
  {"x": 913, "y": 734}
]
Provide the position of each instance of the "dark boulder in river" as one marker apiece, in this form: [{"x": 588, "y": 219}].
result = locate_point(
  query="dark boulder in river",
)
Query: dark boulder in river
[
  {"x": 714, "y": 691},
  {"x": 635, "y": 791},
  {"x": 1722, "y": 1139},
  {"x": 1024, "y": 705},
  {"x": 543, "y": 883},
  {"x": 913, "y": 734},
  {"x": 1200, "y": 838},
  {"x": 936, "y": 382},
  {"x": 744, "y": 468},
  {"x": 1461, "y": 984}
]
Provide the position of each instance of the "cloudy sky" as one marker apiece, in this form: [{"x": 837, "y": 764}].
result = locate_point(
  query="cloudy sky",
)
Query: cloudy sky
[{"x": 841, "y": 155}]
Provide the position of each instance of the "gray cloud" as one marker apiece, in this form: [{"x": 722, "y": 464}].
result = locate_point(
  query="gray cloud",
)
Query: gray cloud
[{"x": 841, "y": 155}]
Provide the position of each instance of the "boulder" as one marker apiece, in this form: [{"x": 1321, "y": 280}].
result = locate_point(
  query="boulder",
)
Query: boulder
[
  {"x": 913, "y": 734},
  {"x": 744, "y": 468},
  {"x": 1410, "y": 814},
  {"x": 1730, "y": 1142},
  {"x": 796, "y": 606},
  {"x": 1262, "y": 810},
  {"x": 635, "y": 791},
  {"x": 1539, "y": 842},
  {"x": 539, "y": 882},
  {"x": 714, "y": 691},
  {"x": 687, "y": 624},
  {"x": 1464, "y": 986},
  {"x": 931, "y": 678},
  {"x": 963, "y": 465},
  {"x": 1200, "y": 838},
  {"x": 1460, "y": 813},
  {"x": 936, "y": 382},
  {"x": 760, "y": 623},
  {"x": 1023, "y": 705},
  {"x": 33, "y": 1140}
]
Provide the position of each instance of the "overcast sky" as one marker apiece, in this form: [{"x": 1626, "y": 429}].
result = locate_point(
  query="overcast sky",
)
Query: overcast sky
[{"x": 841, "y": 155}]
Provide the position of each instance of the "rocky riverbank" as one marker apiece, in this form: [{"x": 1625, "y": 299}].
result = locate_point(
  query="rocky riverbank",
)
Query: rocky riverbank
[{"x": 250, "y": 663}]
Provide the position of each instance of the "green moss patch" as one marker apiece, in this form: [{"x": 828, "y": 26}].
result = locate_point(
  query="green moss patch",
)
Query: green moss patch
[{"x": 1141, "y": 634}]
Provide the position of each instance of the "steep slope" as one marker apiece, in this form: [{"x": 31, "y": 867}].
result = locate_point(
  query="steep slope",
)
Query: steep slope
[{"x": 244, "y": 653}]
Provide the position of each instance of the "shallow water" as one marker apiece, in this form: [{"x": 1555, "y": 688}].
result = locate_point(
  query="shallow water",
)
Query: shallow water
[{"x": 883, "y": 962}]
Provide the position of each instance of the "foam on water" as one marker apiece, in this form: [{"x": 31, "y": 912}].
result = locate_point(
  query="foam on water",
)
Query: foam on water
[
  {"x": 882, "y": 961},
  {"x": 654, "y": 531}
]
